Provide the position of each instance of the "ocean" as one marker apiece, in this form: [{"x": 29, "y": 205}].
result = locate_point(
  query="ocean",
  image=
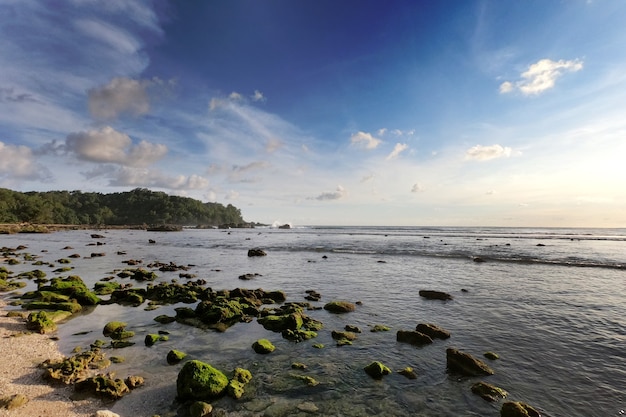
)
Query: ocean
[{"x": 549, "y": 302}]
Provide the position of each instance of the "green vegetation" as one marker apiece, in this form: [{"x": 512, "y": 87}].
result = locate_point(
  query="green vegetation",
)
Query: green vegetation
[{"x": 139, "y": 206}]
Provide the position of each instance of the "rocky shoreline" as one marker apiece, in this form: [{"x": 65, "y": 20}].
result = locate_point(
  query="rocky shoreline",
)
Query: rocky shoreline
[{"x": 198, "y": 383}]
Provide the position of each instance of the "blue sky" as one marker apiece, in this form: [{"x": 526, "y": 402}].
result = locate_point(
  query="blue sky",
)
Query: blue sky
[{"x": 355, "y": 112}]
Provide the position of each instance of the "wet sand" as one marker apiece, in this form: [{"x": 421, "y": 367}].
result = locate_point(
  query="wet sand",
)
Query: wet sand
[{"x": 20, "y": 355}]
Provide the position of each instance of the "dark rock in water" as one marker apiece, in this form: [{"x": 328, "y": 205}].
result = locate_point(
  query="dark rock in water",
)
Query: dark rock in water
[
  {"x": 96, "y": 236},
  {"x": 478, "y": 259},
  {"x": 340, "y": 307},
  {"x": 435, "y": 295},
  {"x": 540, "y": 244},
  {"x": 313, "y": 295},
  {"x": 200, "y": 409},
  {"x": 377, "y": 370},
  {"x": 352, "y": 328},
  {"x": 518, "y": 409},
  {"x": 152, "y": 241},
  {"x": 433, "y": 331},
  {"x": 285, "y": 226},
  {"x": 491, "y": 355},
  {"x": 465, "y": 364},
  {"x": 488, "y": 392},
  {"x": 256, "y": 252},
  {"x": 413, "y": 337},
  {"x": 200, "y": 381},
  {"x": 341, "y": 335},
  {"x": 175, "y": 356},
  {"x": 247, "y": 277}
]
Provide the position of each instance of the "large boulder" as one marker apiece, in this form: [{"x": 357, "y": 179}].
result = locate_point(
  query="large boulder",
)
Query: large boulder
[
  {"x": 200, "y": 381},
  {"x": 263, "y": 346},
  {"x": 465, "y": 364}
]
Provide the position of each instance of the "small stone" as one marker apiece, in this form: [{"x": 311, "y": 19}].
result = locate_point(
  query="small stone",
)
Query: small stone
[
  {"x": 518, "y": 409},
  {"x": 408, "y": 372},
  {"x": 308, "y": 407},
  {"x": 491, "y": 355},
  {"x": 488, "y": 392},
  {"x": 200, "y": 409},
  {"x": 377, "y": 370},
  {"x": 263, "y": 346}
]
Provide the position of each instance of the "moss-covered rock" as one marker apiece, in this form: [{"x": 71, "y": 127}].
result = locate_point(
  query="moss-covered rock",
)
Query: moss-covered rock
[
  {"x": 488, "y": 392},
  {"x": 465, "y": 364},
  {"x": 164, "y": 319},
  {"x": 10, "y": 285},
  {"x": 263, "y": 346},
  {"x": 103, "y": 386},
  {"x": 74, "y": 368},
  {"x": 151, "y": 339},
  {"x": 298, "y": 335},
  {"x": 200, "y": 381},
  {"x": 107, "y": 287},
  {"x": 518, "y": 409},
  {"x": 175, "y": 356},
  {"x": 377, "y": 370},
  {"x": 200, "y": 409},
  {"x": 113, "y": 327},
  {"x": 380, "y": 328},
  {"x": 309, "y": 380},
  {"x": 236, "y": 385},
  {"x": 72, "y": 307},
  {"x": 340, "y": 306},
  {"x": 42, "y": 322},
  {"x": 74, "y": 287}
]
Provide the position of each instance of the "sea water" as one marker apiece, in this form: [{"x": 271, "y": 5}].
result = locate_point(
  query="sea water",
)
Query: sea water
[{"x": 549, "y": 302}]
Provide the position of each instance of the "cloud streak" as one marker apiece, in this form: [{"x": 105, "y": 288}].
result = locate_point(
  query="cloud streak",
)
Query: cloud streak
[
  {"x": 486, "y": 153},
  {"x": 541, "y": 76},
  {"x": 365, "y": 140}
]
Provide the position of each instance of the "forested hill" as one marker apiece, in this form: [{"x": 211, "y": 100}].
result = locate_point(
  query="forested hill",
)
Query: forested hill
[{"x": 139, "y": 206}]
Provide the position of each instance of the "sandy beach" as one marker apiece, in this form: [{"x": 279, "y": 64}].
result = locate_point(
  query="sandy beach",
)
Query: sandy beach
[{"x": 21, "y": 353}]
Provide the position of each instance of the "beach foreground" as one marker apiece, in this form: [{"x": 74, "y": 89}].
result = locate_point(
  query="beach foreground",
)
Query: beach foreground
[{"x": 22, "y": 352}]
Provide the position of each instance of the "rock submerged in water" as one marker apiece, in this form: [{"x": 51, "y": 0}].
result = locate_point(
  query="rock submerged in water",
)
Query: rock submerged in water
[
  {"x": 339, "y": 307},
  {"x": 413, "y": 337},
  {"x": 200, "y": 381},
  {"x": 488, "y": 392},
  {"x": 256, "y": 252},
  {"x": 175, "y": 356},
  {"x": 435, "y": 295},
  {"x": 432, "y": 330},
  {"x": 465, "y": 364},
  {"x": 518, "y": 409}
]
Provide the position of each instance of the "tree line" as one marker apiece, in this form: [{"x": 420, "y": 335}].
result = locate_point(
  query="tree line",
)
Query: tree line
[{"x": 139, "y": 206}]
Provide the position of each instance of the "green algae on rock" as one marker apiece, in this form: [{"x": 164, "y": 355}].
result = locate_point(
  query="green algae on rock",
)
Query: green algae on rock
[
  {"x": 377, "y": 370},
  {"x": 200, "y": 409},
  {"x": 408, "y": 372},
  {"x": 263, "y": 346},
  {"x": 200, "y": 381},
  {"x": 491, "y": 355},
  {"x": 40, "y": 322},
  {"x": 175, "y": 356},
  {"x": 237, "y": 383}
]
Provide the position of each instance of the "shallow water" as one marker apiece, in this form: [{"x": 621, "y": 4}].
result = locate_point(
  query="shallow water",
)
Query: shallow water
[{"x": 552, "y": 312}]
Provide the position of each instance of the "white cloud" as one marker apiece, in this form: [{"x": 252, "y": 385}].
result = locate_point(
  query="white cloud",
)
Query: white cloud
[
  {"x": 381, "y": 132},
  {"x": 365, "y": 139},
  {"x": 121, "y": 95},
  {"x": 397, "y": 150},
  {"x": 485, "y": 153},
  {"x": 234, "y": 96},
  {"x": 541, "y": 76},
  {"x": 19, "y": 162},
  {"x": 110, "y": 146},
  {"x": 336, "y": 195},
  {"x": 257, "y": 96}
]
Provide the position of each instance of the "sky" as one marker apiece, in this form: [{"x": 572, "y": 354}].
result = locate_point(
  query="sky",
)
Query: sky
[{"x": 325, "y": 112}]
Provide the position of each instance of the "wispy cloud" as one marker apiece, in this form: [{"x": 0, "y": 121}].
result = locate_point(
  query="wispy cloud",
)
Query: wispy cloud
[
  {"x": 541, "y": 76},
  {"x": 417, "y": 188},
  {"x": 485, "y": 153},
  {"x": 397, "y": 150},
  {"x": 365, "y": 140},
  {"x": 335, "y": 195},
  {"x": 119, "y": 96}
]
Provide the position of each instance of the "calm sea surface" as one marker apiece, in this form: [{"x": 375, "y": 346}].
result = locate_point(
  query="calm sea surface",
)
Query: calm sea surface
[{"x": 550, "y": 302}]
